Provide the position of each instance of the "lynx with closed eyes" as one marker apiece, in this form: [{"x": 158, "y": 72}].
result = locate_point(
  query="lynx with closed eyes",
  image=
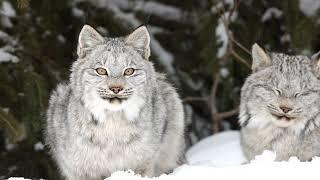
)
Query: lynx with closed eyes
[{"x": 280, "y": 106}]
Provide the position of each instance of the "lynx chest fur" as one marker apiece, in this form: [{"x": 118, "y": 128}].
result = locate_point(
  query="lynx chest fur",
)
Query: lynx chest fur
[{"x": 109, "y": 144}]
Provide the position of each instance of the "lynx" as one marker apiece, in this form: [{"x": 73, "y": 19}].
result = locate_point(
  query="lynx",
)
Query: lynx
[
  {"x": 116, "y": 112},
  {"x": 280, "y": 106}
]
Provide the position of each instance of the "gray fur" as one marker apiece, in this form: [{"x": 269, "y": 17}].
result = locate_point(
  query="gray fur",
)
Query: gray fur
[
  {"x": 286, "y": 81},
  {"x": 91, "y": 137}
]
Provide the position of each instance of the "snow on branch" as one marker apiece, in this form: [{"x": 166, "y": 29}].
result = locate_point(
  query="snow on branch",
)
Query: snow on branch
[
  {"x": 166, "y": 12},
  {"x": 6, "y": 13},
  {"x": 271, "y": 12},
  {"x": 309, "y": 7},
  {"x": 7, "y": 51}
]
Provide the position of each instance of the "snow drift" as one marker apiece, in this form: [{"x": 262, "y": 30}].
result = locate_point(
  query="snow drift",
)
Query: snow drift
[{"x": 219, "y": 157}]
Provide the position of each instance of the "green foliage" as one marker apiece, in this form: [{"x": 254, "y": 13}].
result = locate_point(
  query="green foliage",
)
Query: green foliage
[
  {"x": 34, "y": 104},
  {"x": 206, "y": 44},
  {"x": 301, "y": 29}
]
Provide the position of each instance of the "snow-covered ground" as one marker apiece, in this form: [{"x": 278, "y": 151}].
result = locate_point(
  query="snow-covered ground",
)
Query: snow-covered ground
[
  {"x": 219, "y": 157},
  {"x": 262, "y": 168},
  {"x": 219, "y": 150}
]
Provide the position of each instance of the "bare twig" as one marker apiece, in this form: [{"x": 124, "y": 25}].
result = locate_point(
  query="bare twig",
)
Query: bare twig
[
  {"x": 235, "y": 7},
  {"x": 232, "y": 40},
  {"x": 217, "y": 116},
  {"x": 215, "y": 85},
  {"x": 227, "y": 114},
  {"x": 240, "y": 59},
  {"x": 212, "y": 104},
  {"x": 14, "y": 130},
  {"x": 240, "y": 45}
]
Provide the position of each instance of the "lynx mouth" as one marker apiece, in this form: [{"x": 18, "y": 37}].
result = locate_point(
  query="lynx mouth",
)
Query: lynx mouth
[
  {"x": 115, "y": 99},
  {"x": 283, "y": 117}
]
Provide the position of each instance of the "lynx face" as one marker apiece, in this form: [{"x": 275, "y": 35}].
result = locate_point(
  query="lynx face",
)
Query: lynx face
[
  {"x": 115, "y": 75},
  {"x": 283, "y": 90},
  {"x": 113, "y": 72}
]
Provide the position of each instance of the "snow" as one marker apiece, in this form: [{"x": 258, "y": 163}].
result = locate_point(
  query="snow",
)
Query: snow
[
  {"x": 219, "y": 157},
  {"x": 285, "y": 38},
  {"x": 220, "y": 5},
  {"x": 229, "y": 2},
  {"x": 77, "y": 12},
  {"x": 7, "y": 9},
  {"x": 263, "y": 167},
  {"x": 7, "y": 51},
  {"x": 6, "y": 110},
  {"x": 271, "y": 12},
  {"x": 224, "y": 72},
  {"x": 166, "y": 12},
  {"x": 5, "y": 37},
  {"x": 6, "y": 22},
  {"x": 61, "y": 39},
  {"x": 222, "y": 36},
  {"x": 38, "y": 146},
  {"x": 7, "y": 57},
  {"x": 12, "y": 168},
  {"x": 209, "y": 150},
  {"x": 6, "y": 13},
  {"x": 309, "y": 7},
  {"x": 10, "y": 146}
]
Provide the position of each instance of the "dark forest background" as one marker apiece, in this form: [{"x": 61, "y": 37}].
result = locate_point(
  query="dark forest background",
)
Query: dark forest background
[{"x": 202, "y": 45}]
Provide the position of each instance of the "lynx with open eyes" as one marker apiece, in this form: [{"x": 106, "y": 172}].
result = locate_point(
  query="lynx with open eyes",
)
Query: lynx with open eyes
[
  {"x": 116, "y": 112},
  {"x": 280, "y": 106}
]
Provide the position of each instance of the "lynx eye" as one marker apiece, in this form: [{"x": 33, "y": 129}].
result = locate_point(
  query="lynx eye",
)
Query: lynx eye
[
  {"x": 101, "y": 71},
  {"x": 129, "y": 71},
  {"x": 297, "y": 95},
  {"x": 278, "y": 91},
  {"x": 304, "y": 94}
]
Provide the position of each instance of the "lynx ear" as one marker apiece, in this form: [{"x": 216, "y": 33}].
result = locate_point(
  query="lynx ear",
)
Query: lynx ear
[
  {"x": 259, "y": 58},
  {"x": 140, "y": 39},
  {"x": 316, "y": 61},
  {"x": 88, "y": 37},
  {"x": 316, "y": 56}
]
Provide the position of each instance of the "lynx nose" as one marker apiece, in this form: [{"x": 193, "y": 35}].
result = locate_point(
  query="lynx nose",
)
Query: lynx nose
[
  {"x": 116, "y": 90},
  {"x": 285, "y": 109}
]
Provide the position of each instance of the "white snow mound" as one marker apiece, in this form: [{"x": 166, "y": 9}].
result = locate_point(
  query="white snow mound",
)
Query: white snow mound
[
  {"x": 263, "y": 167},
  {"x": 222, "y": 149},
  {"x": 219, "y": 157}
]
